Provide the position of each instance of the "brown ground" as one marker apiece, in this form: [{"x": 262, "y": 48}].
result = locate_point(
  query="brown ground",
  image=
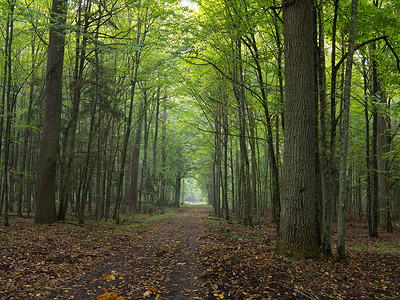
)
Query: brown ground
[{"x": 187, "y": 255}]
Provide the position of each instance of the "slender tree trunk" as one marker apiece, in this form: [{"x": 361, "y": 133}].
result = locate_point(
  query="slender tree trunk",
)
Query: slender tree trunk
[
  {"x": 252, "y": 45},
  {"x": 279, "y": 59},
  {"x": 110, "y": 163},
  {"x": 359, "y": 196},
  {"x": 253, "y": 158},
  {"x": 375, "y": 206},
  {"x": 141, "y": 32},
  {"x": 367, "y": 154},
  {"x": 245, "y": 164},
  {"x": 136, "y": 155},
  {"x": 80, "y": 58},
  {"x": 226, "y": 140},
  {"x": 382, "y": 144},
  {"x": 329, "y": 182},
  {"x": 233, "y": 187},
  {"x": 217, "y": 166},
  {"x": 396, "y": 201},
  {"x": 126, "y": 141},
  {"x": 88, "y": 169},
  {"x": 344, "y": 137},
  {"x": 7, "y": 55},
  {"x": 318, "y": 172},
  {"x": 144, "y": 176},
  {"x": 177, "y": 188},
  {"x": 10, "y": 101},
  {"x": 162, "y": 200},
  {"x": 154, "y": 169}
]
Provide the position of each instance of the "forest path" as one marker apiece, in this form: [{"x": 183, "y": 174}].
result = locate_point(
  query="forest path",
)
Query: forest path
[
  {"x": 163, "y": 264},
  {"x": 187, "y": 255}
]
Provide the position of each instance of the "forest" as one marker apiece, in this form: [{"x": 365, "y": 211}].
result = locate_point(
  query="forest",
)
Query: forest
[{"x": 277, "y": 121}]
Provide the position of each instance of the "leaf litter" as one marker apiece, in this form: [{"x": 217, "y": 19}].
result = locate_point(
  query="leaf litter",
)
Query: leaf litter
[{"x": 187, "y": 255}]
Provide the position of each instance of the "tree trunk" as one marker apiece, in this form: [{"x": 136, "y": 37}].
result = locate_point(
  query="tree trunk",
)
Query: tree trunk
[
  {"x": 177, "y": 188},
  {"x": 154, "y": 169},
  {"x": 46, "y": 182},
  {"x": 162, "y": 200},
  {"x": 253, "y": 158},
  {"x": 225, "y": 181},
  {"x": 240, "y": 96},
  {"x": 396, "y": 201},
  {"x": 217, "y": 166},
  {"x": 233, "y": 187},
  {"x": 328, "y": 163},
  {"x": 276, "y": 198},
  {"x": 80, "y": 58},
  {"x": 374, "y": 205},
  {"x": 367, "y": 153},
  {"x": 144, "y": 171},
  {"x": 344, "y": 138},
  {"x": 298, "y": 232},
  {"x": 136, "y": 156}
]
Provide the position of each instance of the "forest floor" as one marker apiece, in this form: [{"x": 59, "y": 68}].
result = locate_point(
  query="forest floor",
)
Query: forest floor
[{"x": 188, "y": 254}]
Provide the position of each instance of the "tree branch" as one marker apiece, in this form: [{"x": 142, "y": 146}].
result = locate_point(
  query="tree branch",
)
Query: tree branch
[{"x": 356, "y": 48}]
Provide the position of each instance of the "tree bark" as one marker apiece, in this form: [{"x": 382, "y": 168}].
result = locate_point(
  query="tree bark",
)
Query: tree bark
[
  {"x": 298, "y": 232},
  {"x": 46, "y": 182}
]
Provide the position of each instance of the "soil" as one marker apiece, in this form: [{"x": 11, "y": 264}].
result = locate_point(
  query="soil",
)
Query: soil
[
  {"x": 164, "y": 262},
  {"x": 187, "y": 255}
]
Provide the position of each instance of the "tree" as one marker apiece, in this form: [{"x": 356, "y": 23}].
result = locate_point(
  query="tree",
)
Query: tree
[
  {"x": 46, "y": 182},
  {"x": 344, "y": 138},
  {"x": 70, "y": 130},
  {"x": 298, "y": 231}
]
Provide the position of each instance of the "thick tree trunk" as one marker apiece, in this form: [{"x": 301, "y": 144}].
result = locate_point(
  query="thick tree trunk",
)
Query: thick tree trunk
[
  {"x": 298, "y": 232},
  {"x": 46, "y": 182}
]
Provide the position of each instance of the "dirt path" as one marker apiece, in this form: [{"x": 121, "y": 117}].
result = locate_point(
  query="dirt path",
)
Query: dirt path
[
  {"x": 163, "y": 264},
  {"x": 189, "y": 255}
]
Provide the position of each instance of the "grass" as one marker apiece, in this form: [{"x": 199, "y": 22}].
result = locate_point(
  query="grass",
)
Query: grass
[
  {"x": 201, "y": 204},
  {"x": 144, "y": 220}
]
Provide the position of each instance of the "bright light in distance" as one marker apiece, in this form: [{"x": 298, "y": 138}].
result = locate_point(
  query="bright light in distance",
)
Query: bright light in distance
[{"x": 190, "y": 4}]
